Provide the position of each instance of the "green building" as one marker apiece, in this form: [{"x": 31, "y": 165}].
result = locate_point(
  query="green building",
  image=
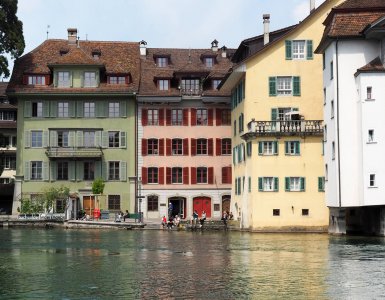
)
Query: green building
[{"x": 76, "y": 122}]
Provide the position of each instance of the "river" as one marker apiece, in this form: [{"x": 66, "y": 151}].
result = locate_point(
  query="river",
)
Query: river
[{"x": 122, "y": 264}]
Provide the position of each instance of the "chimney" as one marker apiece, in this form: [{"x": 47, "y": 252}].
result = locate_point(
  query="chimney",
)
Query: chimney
[
  {"x": 72, "y": 36},
  {"x": 224, "y": 51},
  {"x": 143, "y": 48},
  {"x": 214, "y": 45},
  {"x": 312, "y": 5},
  {"x": 266, "y": 30}
]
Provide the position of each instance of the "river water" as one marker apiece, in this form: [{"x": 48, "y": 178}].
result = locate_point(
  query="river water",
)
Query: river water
[{"x": 122, "y": 264}]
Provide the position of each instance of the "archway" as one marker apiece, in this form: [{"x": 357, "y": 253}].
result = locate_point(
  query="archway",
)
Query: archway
[
  {"x": 177, "y": 207},
  {"x": 226, "y": 200}
]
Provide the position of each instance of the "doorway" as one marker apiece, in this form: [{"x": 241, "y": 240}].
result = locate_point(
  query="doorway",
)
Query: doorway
[
  {"x": 178, "y": 205},
  {"x": 202, "y": 204},
  {"x": 89, "y": 205},
  {"x": 226, "y": 203}
]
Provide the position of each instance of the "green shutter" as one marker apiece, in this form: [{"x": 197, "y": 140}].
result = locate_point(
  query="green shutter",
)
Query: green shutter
[
  {"x": 272, "y": 86},
  {"x": 104, "y": 139},
  {"x": 53, "y": 109},
  {"x": 97, "y": 77},
  {"x": 274, "y": 114},
  {"x": 71, "y": 79},
  {"x": 98, "y": 138},
  {"x": 243, "y": 89},
  {"x": 249, "y": 186},
  {"x": 276, "y": 184},
  {"x": 123, "y": 171},
  {"x": 287, "y": 148},
  {"x": 309, "y": 52},
  {"x": 79, "y": 138},
  {"x": 55, "y": 77},
  {"x": 260, "y": 184},
  {"x": 71, "y": 139},
  {"x": 45, "y": 109},
  {"x": 98, "y": 169},
  {"x": 45, "y": 138},
  {"x": 260, "y": 148},
  {"x": 71, "y": 109},
  {"x": 105, "y": 170},
  {"x": 296, "y": 86},
  {"x": 289, "y": 52},
  {"x": 82, "y": 79},
  {"x": 27, "y": 109},
  {"x": 27, "y": 170},
  {"x": 236, "y": 186},
  {"x": 53, "y": 138},
  {"x": 80, "y": 109},
  {"x": 123, "y": 109},
  {"x": 45, "y": 171},
  {"x": 320, "y": 185},
  {"x": 71, "y": 170},
  {"x": 79, "y": 170},
  {"x": 297, "y": 148},
  {"x": 275, "y": 148},
  {"x": 287, "y": 184},
  {"x": 27, "y": 139},
  {"x": 123, "y": 139},
  {"x": 302, "y": 184},
  {"x": 53, "y": 168},
  {"x": 234, "y": 162}
]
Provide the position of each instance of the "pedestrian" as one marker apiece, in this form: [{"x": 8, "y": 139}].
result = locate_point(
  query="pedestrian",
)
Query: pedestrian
[
  {"x": 195, "y": 218},
  {"x": 224, "y": 218},
  {"x": 170, "y": 209},
  {"x": 126, "y": 216},
  {"x": 203, "y": 218}
]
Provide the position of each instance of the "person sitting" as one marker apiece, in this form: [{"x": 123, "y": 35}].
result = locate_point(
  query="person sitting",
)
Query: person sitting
[
  {"x": 231, "y": 216},
  {"x": 170, "y": 222},
  {"x": 126, "y": 216},
  {"x": 195, "y": 218},
  {"x": 177, "y": 221},
  {"x": 164, "y": 221},
  {"x": 203, "y": 218}
]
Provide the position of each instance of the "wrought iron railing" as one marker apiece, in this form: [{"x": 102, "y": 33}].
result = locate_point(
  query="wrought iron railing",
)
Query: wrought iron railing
[{"x": 75, "y": 152}]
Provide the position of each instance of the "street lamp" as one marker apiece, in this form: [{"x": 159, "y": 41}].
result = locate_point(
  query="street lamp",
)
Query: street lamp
[{"x": 140, "y": 197}]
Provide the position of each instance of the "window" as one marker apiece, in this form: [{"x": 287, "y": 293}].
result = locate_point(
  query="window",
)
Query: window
[
  {"x": 372, "y": 180},
  {"x": 62, "y": 108},
  {"x": 201, "y": 146},
  {"x": 298, "y": 49},
  {"x": 324, "y": 96},
  {"x": 226, "y": 117},
  {"x": 36, "y": 80},
  {"x": 89, "y": 170},
  {"x": 152, "y": 175},
  {"x": 90, "y": 79},
  {"x": 240, "y": 121},
  {"x": 216, "y": 83},
  {"x": 284, "y": 85},
  {"x": 153, "y": 117},
  {"x": 235, "y": 128},
  {"x": 332, "y": 109},
  {"x": 152, "y": 203},
  {"x": 321, "y": 184},
  {"x": 114, "y": 109},
  {"x": 36, "y": 139},
  {"x": 325, "y": 133},
  {"x": 162, "y": 62},
  {"x": 177, "y": 117},
  {"x": 163, "y": 84},
  {"x": 209, "y": 62},
  {"x": 7, "y": 116},
  {"x": 177, "y": 147},
  {"x": 89, "y": 109},
  {"x": 333, "y": 150},
  {"x": 190, "y": 86},
  {"x": 113, "y": 170},
  {"x": 152, "y": 147},
  {"x": 226, "y": 147},
  {"x": 369, "y": 93},
  {"x": 63, "y": 79},
  {"x": 8, "y": 162},
  {"x": 201, "y": 175},
  {"x": 294, "y": 184},
  {"x": 268, "y": 184},
  {"x": 268, "y": 148},
  {"x": 37, "y": 109},
  {"x": 114, "y": 202},
  {"x": 292, "y": 148},
  {"x": 89, "y": 139},
  {"x": 331, "y": 70},
  {"x": 305, "y": 212},
  {"x": 36, "y": 170},
  {"x": 117, "y": 80},
  {"x": 177, "y": 175},
  {"x": 276, "y": 212},
  {"x": 371, "y": 136},
  {"x": 62, "y": 170},
  {"x": 202, "y": 117},
  {"x": 113, "y": 139},
  {"x": 62, "y": 138}
]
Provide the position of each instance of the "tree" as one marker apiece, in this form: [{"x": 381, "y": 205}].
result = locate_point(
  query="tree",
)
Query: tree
[
  {"x": 11, "y": 34},
  {"x": 98, "y": 186}
]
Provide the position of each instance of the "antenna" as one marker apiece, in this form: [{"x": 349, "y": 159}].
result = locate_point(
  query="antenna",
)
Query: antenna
[{"x": 47, "y": 31}]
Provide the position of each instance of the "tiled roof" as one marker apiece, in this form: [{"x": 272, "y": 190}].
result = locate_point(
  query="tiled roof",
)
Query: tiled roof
[
  {"x": 353, "y": 4},
  {"x": 182, "y": 62},
  {"x": 3, "y": 87},
  {"x": 116, "y": 58},
  {"x": 8, "y": 124},
  {"x": 374, "y": 66}
]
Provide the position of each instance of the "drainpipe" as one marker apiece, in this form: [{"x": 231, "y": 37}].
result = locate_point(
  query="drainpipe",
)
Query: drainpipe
[{"x": 338, "y": 127}]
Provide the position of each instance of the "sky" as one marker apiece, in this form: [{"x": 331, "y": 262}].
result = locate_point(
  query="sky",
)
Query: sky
[{"x": 161, "y": 23}]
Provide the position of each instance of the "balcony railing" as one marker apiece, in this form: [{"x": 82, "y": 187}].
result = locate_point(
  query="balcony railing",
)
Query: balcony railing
[
  {"x": 191, "y": 91},
  {"x": 282, "y": 128},
  {"x": 74, "y": 152}
]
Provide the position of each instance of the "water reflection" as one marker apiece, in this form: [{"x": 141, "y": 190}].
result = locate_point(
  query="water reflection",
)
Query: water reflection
[{"x": 95, "y": 264}]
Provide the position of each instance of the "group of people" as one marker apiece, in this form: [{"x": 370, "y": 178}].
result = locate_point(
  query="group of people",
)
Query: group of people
[
  {"x": 195, "y": 217},
  {"x": 227, "y": 216},
  {"x": 171, "y": 222},
  {"x": 121, "y": 216}
]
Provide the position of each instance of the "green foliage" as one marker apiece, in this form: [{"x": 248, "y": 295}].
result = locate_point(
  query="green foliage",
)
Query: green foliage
[
  {"x": 11, "y": 34},
  {"x": 98, "y": 186}
]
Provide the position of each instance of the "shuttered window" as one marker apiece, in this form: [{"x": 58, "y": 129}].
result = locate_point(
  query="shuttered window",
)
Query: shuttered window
[
  {"x": 285, "y": 86},
  {"x": 268, "y": 184},
  {"x": 292, "y": 148},
  {"x": 298, "y": 49},
  {"x": 294, "y": 184}
]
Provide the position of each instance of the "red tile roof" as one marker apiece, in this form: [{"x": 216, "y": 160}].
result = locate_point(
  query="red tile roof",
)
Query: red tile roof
[
  {"x": 357, "y": 4},
  {"x": 374, "y": 66},
  {"x": 3, "y": 87}
]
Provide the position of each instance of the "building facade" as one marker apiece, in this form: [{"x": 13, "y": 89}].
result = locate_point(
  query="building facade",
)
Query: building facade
[
  {"x": 184, "y": 125},
  {"x": 277, "y": 113},
  {"x": 354, "y": 78},
  {"x": 77, "y": 122}
]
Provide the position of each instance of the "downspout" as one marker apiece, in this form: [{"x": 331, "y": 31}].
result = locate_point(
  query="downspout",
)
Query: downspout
[
  {"x": 338, "y": 128},
  {"x": 136, "y": 153}
]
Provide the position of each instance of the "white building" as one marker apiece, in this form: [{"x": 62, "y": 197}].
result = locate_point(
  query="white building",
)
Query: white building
[{"x": 353, "y": 49}]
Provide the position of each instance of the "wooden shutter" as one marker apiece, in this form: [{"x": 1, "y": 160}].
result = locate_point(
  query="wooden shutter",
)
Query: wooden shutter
[
  {"x": 168, "y": 117},
  {"x": 25, "y": 79},
  {"x": 225, "y": 178},
  {"x": 287, "y": 184},
  {"x": 144, "y": 175},
  {"x": 309, "y": 49},
  {"x": 144, "y": 147},
  {"x": 27, "y": 109},
  {"x": 53, "y": 138},
  {"x": 193, "y": 175},
  {"x": 218, "y": 117},
  {"x": 79, "y": 165},
  {"x": 193, "y": 117},
  {"x": 218, "y": 147},
  {"x": 185, "y": 175},
  {"x": 168, "y": 147},
  {"x": 229, "y": 174},
  {"x": 45, "y": 139},
  {"x": 168, "y": 175},
  {"x": 47, "y": 79},
  {"x": 161, "y": 117},
  {"x": 72, "y": 109},
  {"x": 46, "y": 171},
  {"x": 302, "y": 184},
  {"x": 53, "y": 170},
  {"x": 286, "y": 148},
  {"x": 260, "y": 184},
  {"x": 185, "y": 117},
  {"x": 144, "y": 117},
  {"x": 123, "y": 140},
  {"x": 105, "y": 141},
  {"x": 276, "y": 184},
  {"x": 193, "y": 147},
  {"x": 27, "y": 139},
  {"x": 275, "y": 147},
  {"x": 161, "y": 175},
  {"x": 185, "y": 147},
  {"x": 288, "y": 50},
  {"x": 210, "y": 114},
  {"x": 210, "y": 177},
  {"x": 297, "y": 148},
  {"x": 80, "y": 109},
  {"x": 296, "y": 86},
  {"x": 53, "y": 108},
  {"x": 27, "y": 170},
  {"x": 210, "y": 146},
  {"x": 123, "y": 109},
  {"x": 260, "y": 148},
  {"x": 161, "y": 147},
  {"x": 272, "y": 86}
]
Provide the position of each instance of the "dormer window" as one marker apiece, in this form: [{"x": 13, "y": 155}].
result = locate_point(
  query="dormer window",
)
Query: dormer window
[
  {"x": 63, "y": 51},
  {"x": 36, "y": 80},
  {"x": 163, "y": 84},
  {"x": 118, "y": 79},
  {"x": 96, "y": 53},
  {"x": 90, "y": 79},
  {"x": 63, "y": 79},
  {"x": 162, "y": 62},
  {"x": 209, "y": 62},
  {"x": 216, "y": 83}
]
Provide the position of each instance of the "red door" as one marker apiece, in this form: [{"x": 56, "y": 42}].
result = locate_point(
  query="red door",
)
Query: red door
[{"x": 202, "y": 204}]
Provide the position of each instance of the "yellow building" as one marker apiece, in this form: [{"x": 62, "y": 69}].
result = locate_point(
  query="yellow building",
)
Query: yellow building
[{"x": 277, "y": 113}]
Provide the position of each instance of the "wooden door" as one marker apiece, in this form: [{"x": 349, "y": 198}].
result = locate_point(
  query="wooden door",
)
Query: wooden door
[
  {"x": 225, "y": 204},
  {"x": 202, "y": 204},
  {"x": 89, "y": 205}
]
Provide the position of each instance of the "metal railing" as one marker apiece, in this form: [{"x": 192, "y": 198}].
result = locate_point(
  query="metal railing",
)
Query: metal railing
[{"x": 56, "y": 152}]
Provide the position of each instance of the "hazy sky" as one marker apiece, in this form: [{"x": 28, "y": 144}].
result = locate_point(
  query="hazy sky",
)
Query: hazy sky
[{"x": 162, "y": 23}]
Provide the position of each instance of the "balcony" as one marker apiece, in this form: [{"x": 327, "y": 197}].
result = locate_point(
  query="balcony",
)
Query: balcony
[
  {"x": 74, "y": 152},
  {"x": 284, "y": 128},
  {"x": 190, "y": 92}
]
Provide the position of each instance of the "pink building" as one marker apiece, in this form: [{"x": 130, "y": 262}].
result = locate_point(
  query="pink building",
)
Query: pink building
[{"x": 184, "y": 132}]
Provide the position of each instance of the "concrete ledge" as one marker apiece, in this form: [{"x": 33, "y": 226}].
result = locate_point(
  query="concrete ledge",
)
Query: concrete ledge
[{"x": 289, "y": 229}]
